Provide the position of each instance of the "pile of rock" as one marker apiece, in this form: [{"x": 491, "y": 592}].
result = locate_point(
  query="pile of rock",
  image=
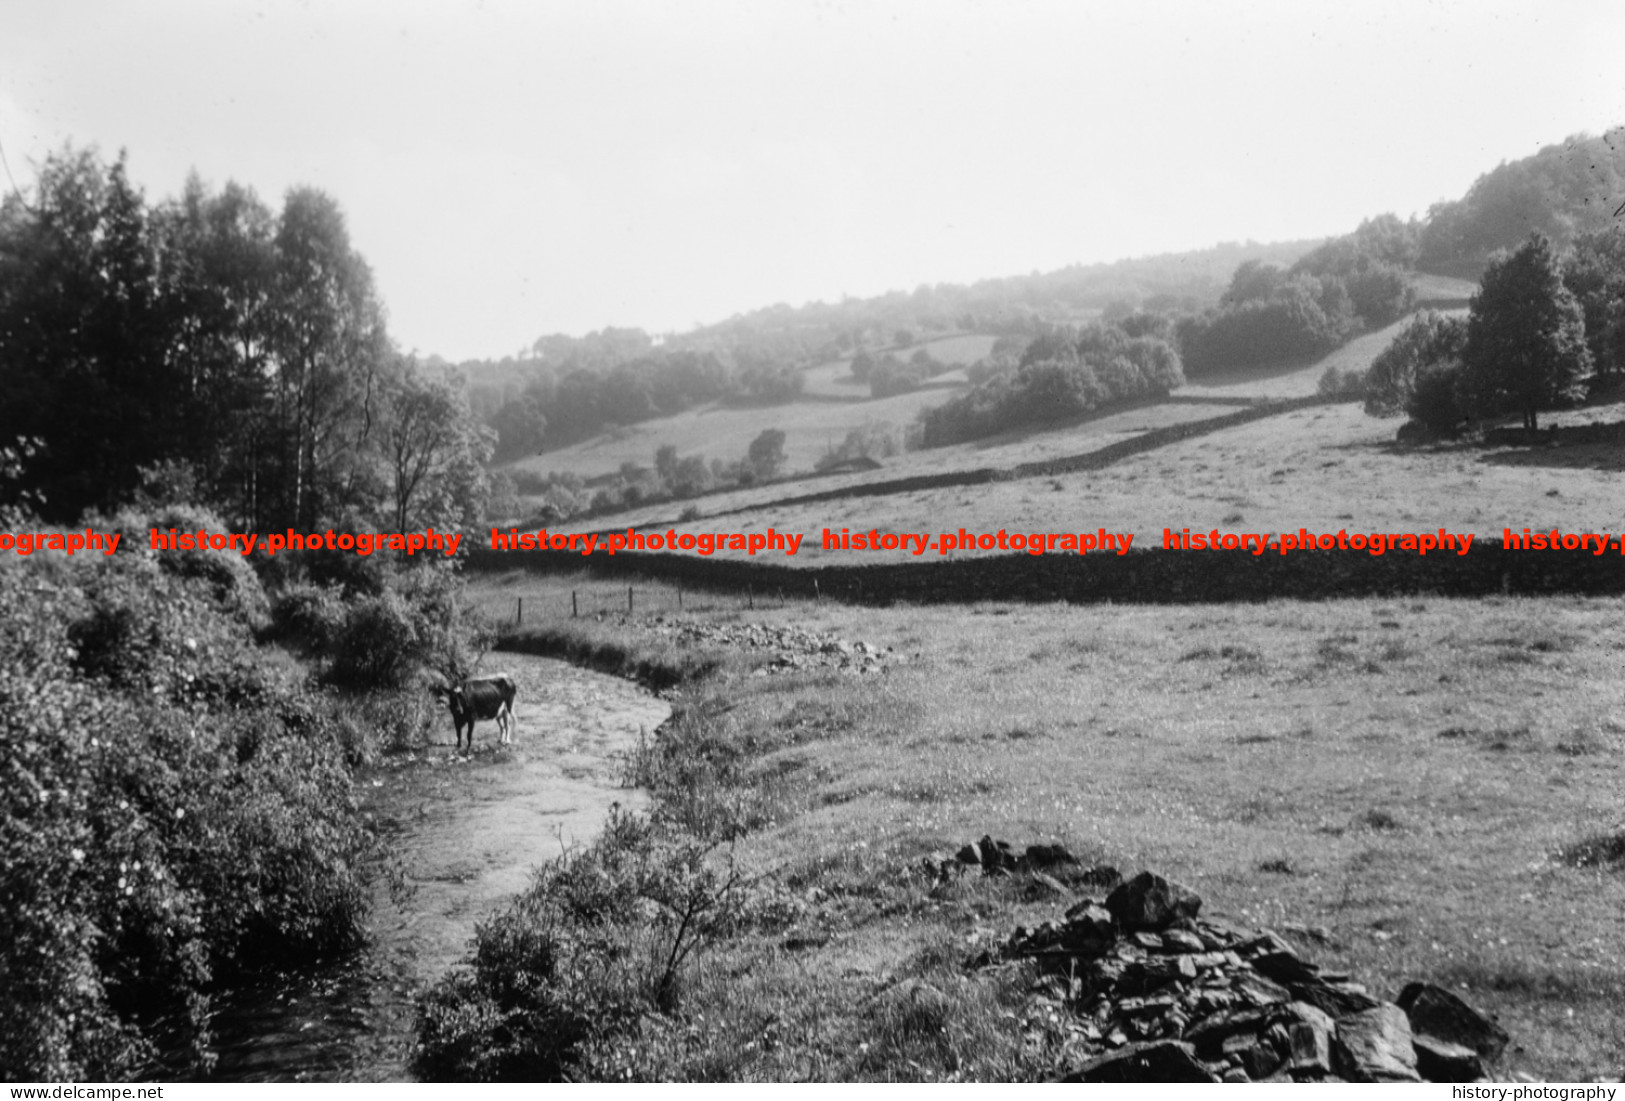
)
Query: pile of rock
[
  {"x": 1158, "y": 994},
  {"x": 794, "y": 648}
]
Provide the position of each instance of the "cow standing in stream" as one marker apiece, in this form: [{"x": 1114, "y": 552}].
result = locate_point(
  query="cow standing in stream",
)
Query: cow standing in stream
[{"x": 487, "y": 697}]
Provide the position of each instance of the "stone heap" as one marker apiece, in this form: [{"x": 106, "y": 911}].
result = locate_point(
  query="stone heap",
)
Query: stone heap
[
  {"x": 794, "y": 648},
  {"x": 1158, "y": 993}
]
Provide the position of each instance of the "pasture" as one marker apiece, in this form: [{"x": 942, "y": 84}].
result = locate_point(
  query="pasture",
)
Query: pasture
[
  {"x": 1324, "y": 468},
  {"x": 1431, "y": 786}
]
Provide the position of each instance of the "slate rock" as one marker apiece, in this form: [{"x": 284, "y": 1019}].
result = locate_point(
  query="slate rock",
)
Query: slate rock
[
  {"x": 1048, "y": 856},
  {"x": 1442, "y": 1061},
  {"x": 1336, "y": 1002},
  {"x": 1311, "y": 1054},
  {"x": 1150, "y": 902},
  {"x": 1154, "y": 1061},
  {"x": 1375, "y": 1045},
  {"x": 1437, "y": 1013}
]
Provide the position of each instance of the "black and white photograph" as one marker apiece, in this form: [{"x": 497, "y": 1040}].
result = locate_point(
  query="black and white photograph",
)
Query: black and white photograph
[{"x": 811, "y": 541}]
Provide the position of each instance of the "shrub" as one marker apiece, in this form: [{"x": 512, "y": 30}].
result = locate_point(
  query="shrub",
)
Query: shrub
[
  {"x": 1435, "y": 400},
  {"x": 170, "y": 816},
  {"x": 603, "y": 937},
  {"x": 231, "y": 581},
  {"x": 1338, "y": 382}
]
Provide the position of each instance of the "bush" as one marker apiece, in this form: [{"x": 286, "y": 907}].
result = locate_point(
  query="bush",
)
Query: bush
[
  {"x": 417, "y": 624},
  {"x": 1436, "y": 401},
  {"x": 1338, "y": 382},
  {"x": 309, "y": 616},
  {"x": 231, "y": 580},
  {"x": 170, "y": 816},
  {"x": 604, "y": 936},
  {"x": 1430, "y": 339}
]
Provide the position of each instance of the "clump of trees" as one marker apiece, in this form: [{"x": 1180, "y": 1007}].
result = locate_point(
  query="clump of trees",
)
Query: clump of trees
[
  {"x": 1528, "y": 344},
  {"x": 1271, "y": 316},
  {"x": 247, "y": 344},
  {"x": 1063, "y": 374}
]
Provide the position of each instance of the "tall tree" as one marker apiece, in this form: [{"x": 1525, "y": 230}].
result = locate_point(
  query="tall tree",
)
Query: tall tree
[
  {"x": 331, "y": 347},
  {"x": 1525, "y": 347},
  {"x": 84, "y": 334}
]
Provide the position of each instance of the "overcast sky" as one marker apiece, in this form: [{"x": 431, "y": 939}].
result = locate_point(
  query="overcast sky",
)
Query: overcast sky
[{"x": 514, "y": 169}]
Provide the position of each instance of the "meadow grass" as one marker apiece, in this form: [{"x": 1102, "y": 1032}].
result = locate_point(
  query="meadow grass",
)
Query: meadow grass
[{"x": 1430, "y": 784}]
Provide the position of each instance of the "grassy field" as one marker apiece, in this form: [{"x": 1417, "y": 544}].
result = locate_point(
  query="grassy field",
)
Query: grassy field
[
  {"x": 1423, "y": 780},
  {"x": 835, "y": 379},
  {"x": 1323, "y": 468},
  {"x": 811, "y": 427}
]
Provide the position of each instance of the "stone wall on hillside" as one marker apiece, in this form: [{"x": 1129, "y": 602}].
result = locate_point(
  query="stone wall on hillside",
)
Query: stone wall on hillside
[{"x": 1153, "y": 576}]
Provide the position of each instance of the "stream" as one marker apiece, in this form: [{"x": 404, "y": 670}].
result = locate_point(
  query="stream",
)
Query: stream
[{"x": 467, "y": 834}]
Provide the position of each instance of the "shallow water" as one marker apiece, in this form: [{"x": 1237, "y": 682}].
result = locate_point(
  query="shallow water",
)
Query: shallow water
[{"x": 467, "y": 832}]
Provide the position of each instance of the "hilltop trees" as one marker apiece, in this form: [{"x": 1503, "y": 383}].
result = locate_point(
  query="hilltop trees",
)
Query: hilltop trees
[{"x": 1525, "y": 349}]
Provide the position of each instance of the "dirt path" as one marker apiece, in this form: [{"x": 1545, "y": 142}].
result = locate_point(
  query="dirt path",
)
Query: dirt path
[{"x": 467, "y": 833}]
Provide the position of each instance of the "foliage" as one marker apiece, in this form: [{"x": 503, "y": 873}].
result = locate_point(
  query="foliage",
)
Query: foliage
[
  {"x": 209, "y": 349},
  {"x": 604, "y": 936},
  {"x": 1561, "y": 192},
  {"x": 1336, "y": 382},
  {"x": 1435, "y": 400},
  {"x": 170, "y": 814},
  {"x": 873, "y": 439},
  {"x": 1525, "y": 348},
  {"x": 1063, "y": 373},
  {"x": 1594, "y": 272},
  {"x": 1430, "y": 339},
  {"x": 418, "y": 623},
  {"x": 765, "y": 457},
  {"x": 1267, "y": 321}
]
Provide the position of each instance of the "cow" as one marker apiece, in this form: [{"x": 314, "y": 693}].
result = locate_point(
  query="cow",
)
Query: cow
[{"x": 485, "y": 697}]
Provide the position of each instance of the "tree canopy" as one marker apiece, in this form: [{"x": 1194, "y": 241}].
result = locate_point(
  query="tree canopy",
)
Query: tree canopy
[{"x": 1525, "y": 348}]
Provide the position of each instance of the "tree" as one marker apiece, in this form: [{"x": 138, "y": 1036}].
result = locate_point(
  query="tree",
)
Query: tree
[
  {"x": 433, "y": 451},
  {"x": 1431, "y": 339},
  {"x": 766, "y": 455},
  {"x": 1525, "y": 347},
  {"x": 330, "y": 347},
  {"x": 1594, "y": 269}
]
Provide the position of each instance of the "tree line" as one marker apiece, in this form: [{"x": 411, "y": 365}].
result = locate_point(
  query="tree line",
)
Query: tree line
[
  {"x": 1271, "y": 316},
  {"x": 212, "y": 349}
]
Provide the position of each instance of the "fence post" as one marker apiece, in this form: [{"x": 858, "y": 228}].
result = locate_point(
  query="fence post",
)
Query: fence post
[
  {"x": 574, "y": 611},
  {"x": 519, "y": 612},
  {"x": 629, "y": 600}
]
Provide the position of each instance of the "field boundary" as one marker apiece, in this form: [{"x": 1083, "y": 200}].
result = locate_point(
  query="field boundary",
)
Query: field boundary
[{"x": 1140, "y": 577}]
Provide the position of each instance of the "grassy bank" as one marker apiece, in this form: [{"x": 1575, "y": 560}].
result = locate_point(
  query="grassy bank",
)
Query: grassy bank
[{"x": 1430, "y": 786}]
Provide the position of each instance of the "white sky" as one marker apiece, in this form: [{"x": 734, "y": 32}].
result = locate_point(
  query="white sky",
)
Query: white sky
[{"x": 514, "y": 169}]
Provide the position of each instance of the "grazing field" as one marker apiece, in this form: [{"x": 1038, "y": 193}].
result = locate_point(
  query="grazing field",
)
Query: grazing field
[
  {"x": 811, "y": 427},
  {"x": 1324, "y": 468},
  {"x": 1429, "y": 787},
  {"x": 835, "y": 379}
]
